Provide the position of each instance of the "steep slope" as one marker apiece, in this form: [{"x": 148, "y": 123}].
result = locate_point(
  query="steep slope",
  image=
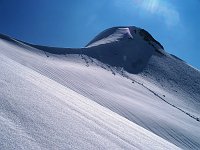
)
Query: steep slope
[
  {"x": 155, "y": 98},
  {"x": 38, "y": 113}
]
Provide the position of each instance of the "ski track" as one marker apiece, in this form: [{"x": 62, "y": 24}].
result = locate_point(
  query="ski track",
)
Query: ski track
[{"x": 185, "y": 112}]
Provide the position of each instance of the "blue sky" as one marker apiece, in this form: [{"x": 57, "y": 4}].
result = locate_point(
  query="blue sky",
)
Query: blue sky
[{"x": 73, "y": 23}]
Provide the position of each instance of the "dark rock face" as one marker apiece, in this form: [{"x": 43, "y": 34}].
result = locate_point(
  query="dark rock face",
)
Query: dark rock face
[{"x": 147, "y": 37}]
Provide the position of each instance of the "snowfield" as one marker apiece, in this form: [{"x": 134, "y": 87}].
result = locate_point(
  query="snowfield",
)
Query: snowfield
[{"x": 122, "y": 91}]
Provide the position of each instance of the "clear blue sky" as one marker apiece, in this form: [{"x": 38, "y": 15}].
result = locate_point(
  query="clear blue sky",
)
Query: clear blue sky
[{"x": 73, "y": 23}]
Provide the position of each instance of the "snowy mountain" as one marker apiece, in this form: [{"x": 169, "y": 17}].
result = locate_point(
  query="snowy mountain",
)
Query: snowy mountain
[{"x": 121, "y": 91}]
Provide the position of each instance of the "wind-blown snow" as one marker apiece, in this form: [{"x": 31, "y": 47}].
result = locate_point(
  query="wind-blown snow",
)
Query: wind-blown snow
[
  {"x": 47, "y": 99},
  {"x": 119, "y": 34}
]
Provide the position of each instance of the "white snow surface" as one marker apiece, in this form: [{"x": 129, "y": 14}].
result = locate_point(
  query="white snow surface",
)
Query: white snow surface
[{"x": 74, "y": 101}]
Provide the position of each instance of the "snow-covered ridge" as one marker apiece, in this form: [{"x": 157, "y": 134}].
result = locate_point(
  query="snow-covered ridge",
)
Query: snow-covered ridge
[
  {"x": 162, "y": 97},
  {"x": 129, "y": 47}
]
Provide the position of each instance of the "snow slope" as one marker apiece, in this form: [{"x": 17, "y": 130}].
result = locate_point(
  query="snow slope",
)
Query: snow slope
[
  {"x": 38, "y": 113},
  {"x": 47, "y": 95}
]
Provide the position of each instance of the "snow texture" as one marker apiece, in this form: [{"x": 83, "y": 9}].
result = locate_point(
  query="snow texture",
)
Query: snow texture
[{"x": 122, "y": 91}]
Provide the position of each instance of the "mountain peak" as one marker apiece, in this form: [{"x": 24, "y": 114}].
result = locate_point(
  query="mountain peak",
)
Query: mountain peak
[
  {"x": 116, "y": 34},
  {"x": 126, "y": 46}
]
